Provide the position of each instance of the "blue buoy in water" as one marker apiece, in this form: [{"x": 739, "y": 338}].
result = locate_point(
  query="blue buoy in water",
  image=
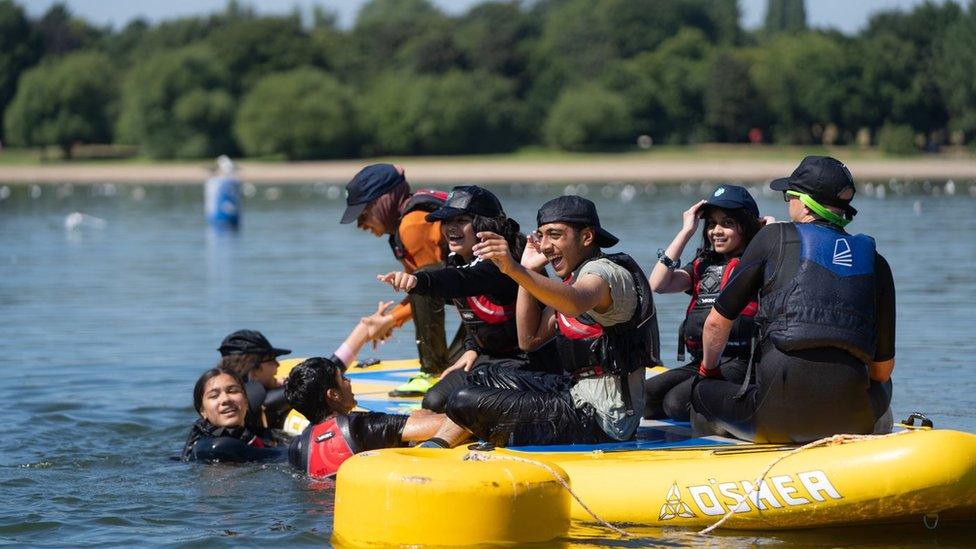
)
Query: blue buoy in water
[{"x": 222, "y": 196}]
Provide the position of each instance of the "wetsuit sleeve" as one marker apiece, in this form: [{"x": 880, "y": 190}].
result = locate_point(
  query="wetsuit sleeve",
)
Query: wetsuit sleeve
[
  {"x": 748, "y": 277},
  {"x": 375, "y": 430},
  {"x": 234, "y": 450},
  {"x": 401, "y": 314},
  {"x": 477, "y": 278},
  {"x": 885, "y": 311},
  {"x": 421, "y": 239}
]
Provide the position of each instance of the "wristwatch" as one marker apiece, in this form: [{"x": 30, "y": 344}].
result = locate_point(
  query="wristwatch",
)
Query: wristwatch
[{"x": 667, "y": 261}]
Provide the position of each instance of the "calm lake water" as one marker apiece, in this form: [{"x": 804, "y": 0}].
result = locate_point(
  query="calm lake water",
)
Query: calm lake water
[{"x": 105, "y": 327}]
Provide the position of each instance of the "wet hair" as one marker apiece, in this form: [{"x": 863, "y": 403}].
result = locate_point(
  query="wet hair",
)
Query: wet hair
[
  {"x": 207, "y": 376},
  {"x": 503, "y": 226},
  {"x": 306, "y": 386},
  {"x": 748, "y": 226},
  {"x": 243, "y": 364}
]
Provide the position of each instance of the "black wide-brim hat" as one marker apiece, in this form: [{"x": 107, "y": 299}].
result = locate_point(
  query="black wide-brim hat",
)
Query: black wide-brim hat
[
  {"x": 249, "y": 342},
  {"x": 579, "y": 211},
  {"x": 370, "y": 183},
  {"x": 468, "y": 199}
]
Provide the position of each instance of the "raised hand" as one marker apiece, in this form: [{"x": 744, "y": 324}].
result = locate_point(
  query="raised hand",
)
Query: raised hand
[
  {"x": 532, "y": 257},
  {"x": 399, "y": 280},
  {"x": 495, "y": 248},
  {"x": 379, "y": 324},
  {"x": 691, "y": 216}
]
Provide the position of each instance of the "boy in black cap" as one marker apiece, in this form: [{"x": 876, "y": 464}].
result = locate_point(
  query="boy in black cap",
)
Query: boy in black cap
[
  {"x": 484, "y": 297},
  {"x": 601, "y": 315},
  {"x": 379, "y": 200},
  {"x": 826, "y": 318}
]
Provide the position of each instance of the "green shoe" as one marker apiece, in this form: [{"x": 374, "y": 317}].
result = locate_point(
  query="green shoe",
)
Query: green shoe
[{"x": 418, "y": 385}]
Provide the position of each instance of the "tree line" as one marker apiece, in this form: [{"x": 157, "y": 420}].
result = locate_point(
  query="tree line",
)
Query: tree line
[{"x": 408, "y": 79}]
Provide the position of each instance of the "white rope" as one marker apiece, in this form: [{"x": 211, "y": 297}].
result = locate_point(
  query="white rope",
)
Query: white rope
[
  {"x": 475, "y": 455},
  {"x": 826, "y": 441}
]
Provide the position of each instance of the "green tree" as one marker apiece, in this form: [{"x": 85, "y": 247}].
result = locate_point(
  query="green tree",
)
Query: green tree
[
  {"x": 176, "y": 105},
  {"x": 496, "y": 37},
  {"x": 458, "y": 112},
  {"x": 785, "y": 16},
  {"x": 384, "y": 28},
  {"x": 732, "y": 105},
  {"x": 62, "y": 33},
  {"x": 588, "y": 117},
  {"x": 303, "y": 113},
  {"x": 64, "y": 101},
  {"x": 805, "y": 80},
  {"x": 19, "y": 49},
  {"x": 252, "y": 48},
  {"x": 956, "y": 72},
  {"x": 665, "y": 89}
]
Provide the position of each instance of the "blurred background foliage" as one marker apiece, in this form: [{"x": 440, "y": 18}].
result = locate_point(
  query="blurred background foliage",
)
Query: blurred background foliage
[{"x": 408, "y": 79}]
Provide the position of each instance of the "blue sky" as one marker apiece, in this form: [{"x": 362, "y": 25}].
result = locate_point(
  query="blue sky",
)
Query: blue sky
[{"x": 847, "y": 15}]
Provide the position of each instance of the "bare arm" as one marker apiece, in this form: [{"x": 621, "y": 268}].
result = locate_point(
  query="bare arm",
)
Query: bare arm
[
  {"x": 714, "y": 337},
  {"x": 664, "y": 280},
  {"x": 375, "y": 327},
  {"x": 881, "y": 371}
]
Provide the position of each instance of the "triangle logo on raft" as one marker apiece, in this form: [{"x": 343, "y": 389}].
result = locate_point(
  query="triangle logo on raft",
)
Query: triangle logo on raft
[{"x": 673, "y": 506}]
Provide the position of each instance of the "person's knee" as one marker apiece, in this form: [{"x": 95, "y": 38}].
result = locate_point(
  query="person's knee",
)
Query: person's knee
[
  {"x": 677, "y": 405},
  {"x": 434, "y": 400}
]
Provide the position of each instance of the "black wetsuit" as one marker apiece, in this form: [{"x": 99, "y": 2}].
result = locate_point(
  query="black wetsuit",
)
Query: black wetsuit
[
  {"x": 481, "y": 282},
  {"x": 366, "y": 430},
  {"x": 209, "y": 443},
  {"x": 798, "y": 395}
]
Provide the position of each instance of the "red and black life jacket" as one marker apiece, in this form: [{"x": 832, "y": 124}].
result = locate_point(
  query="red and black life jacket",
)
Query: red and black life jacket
[
  {"x": 426, "y": 200},
  {"x": 326, "y": 446},
  {"x": 491, "y": 324},
  {"x": 709, "y": 278},
  {"x": 588, "y": 349}
]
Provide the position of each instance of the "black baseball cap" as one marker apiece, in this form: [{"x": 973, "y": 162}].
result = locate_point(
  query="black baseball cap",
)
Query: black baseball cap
[
  {"x": 823, "y": 178},
  {"x": 469, "y": 199},
  {"x": 370, "y": 183},
  {"x": 577, "y": 210},
  {"x": 249, "y": 342},
  {"x": 733, "y": 197}
]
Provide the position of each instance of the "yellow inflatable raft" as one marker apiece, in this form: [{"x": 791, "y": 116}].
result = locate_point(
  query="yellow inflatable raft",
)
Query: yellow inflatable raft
[{"x": 664, "y": 478}]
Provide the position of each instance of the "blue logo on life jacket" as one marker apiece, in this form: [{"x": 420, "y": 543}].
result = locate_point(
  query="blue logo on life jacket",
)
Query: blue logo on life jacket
[{"x": 841, "y": 253}]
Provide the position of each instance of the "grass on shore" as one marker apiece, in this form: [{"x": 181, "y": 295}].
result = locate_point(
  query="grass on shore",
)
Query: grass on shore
[{"x": 110, "y": 154}]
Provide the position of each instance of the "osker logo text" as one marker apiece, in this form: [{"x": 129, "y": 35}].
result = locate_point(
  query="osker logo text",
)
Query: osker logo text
[{"x": 717, "y": 498}]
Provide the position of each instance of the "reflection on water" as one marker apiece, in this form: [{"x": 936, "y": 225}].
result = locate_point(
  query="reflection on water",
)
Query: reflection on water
[{"x": 106, "y": 326}]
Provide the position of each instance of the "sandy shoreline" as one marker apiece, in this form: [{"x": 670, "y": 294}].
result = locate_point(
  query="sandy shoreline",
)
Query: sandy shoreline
[{"x": 448, "y": 171}]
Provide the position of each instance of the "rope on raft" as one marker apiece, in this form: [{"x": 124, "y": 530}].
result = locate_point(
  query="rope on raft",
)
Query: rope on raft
[
  {"x": 476, "y": 455},
  {"x": 826, "y": 441}
]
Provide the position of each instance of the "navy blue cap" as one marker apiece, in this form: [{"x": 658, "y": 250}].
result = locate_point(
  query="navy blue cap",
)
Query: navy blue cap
[
  {"x": 733, "y": 197},
  {"x": 579, "y": 211},
  {"x": 370, "y": 183},
  {"x": 825, "y": 179},
  {"x": 470, "y": 199}
]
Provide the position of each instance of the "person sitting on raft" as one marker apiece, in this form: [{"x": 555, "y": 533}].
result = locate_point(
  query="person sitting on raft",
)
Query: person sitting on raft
[
  {"x": 319, "y": 389},
  {"x": 731, "y": 220},
  {"x": 252, "y": 356},
  {"x": 601, "y": 314},
  {"x": 484, "y": 297},
  {"x": 220, "y": 434},
  {"x": 380, "y": 201},
  {"x": 826, "y": 318}
]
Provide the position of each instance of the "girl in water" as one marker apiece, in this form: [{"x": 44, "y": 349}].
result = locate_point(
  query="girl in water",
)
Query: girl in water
[
  {"x": 484, "y": 296},
  {"x": 731, "y": 220}
]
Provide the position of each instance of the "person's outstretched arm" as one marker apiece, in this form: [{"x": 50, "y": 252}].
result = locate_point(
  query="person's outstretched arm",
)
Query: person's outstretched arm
[{"x": 374, "y": 327}]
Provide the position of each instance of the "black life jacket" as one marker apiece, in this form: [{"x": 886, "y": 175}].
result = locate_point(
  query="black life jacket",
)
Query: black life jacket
[
  {"x": 323, "y": 447},
  {"x": 490, "y": 322},
  {"x": 588, "y": 349},
  {"x": 425, "y": 200},
  {"x": 830, "y": 302},
  {"x": 204, "y": 430},
  {"x": 710, "y": 279}
]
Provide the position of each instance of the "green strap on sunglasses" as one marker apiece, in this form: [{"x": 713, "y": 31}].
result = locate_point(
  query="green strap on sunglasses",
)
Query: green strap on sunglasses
[{"x": 819, "y": 209}]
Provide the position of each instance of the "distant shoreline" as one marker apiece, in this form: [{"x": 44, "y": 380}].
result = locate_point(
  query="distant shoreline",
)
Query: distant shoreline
[{"x": 447, "y": 171}]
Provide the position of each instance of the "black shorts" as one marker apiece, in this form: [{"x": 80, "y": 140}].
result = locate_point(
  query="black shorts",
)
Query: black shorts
[{"x": 514, "y": 407}]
